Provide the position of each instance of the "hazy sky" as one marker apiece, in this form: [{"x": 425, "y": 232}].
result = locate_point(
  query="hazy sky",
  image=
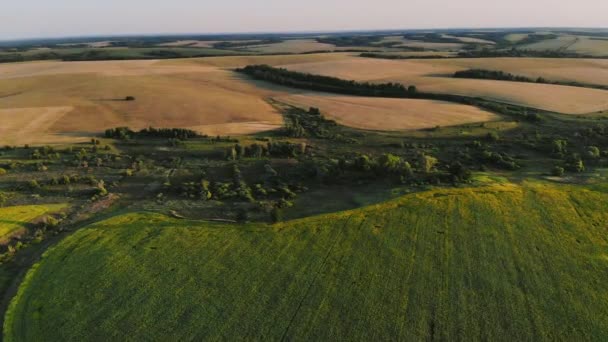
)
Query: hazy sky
[{"x": 44, "y": 18}]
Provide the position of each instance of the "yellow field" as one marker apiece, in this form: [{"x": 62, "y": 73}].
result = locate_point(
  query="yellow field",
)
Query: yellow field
[
  {"x": 388, "y": 114},
  {"x": 435, "y": 76},
  {"x": 13, "y": 220}
]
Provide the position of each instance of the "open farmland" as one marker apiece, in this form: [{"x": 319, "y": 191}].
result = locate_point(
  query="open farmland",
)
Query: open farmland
[
  {"x": 503, "y": 261},
  {"x": 580, "y": 44},
  {"x": 14, "y": 220},
  {"x": 70, "y": 99},
  {"x": 435, "y": 76},
  {"x": 388, "y": 114},
  {"x": 56, "y": 102}
]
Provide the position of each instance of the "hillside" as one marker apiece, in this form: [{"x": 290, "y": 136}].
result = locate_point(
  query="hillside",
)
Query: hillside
[{"x": 499, "y": 262}]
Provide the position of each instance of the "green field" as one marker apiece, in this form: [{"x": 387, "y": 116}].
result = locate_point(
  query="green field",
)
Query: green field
[
  {"x": 507, "y": 261},
  {"x": 13, "y": 219}
]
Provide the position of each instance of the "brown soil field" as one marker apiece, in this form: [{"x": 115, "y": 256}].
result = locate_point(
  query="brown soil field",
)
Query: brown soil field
[
  {"x": 388, "y": 114},
  {"x": 435, "y": 76}
]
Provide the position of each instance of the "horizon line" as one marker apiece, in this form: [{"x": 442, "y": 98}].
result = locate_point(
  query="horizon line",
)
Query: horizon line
[{"x": 298, "y": 32}]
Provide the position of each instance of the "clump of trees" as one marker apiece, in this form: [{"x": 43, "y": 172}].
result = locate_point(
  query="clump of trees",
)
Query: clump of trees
[{"x": 125, "y": 133}]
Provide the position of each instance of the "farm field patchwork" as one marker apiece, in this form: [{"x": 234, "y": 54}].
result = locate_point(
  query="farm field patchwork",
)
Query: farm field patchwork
[
  {"x": 519, "y": 261},
  {"x": 55, "y": 102},
  {"x": 435, "y": 76}
]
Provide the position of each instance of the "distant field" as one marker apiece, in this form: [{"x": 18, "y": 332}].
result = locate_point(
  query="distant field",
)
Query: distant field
[
  {"x": 13, "y": 220},
  {"x": 470, "y": 39},
  {"x": 500, "y": 262},
  {"x": 56, "y": 102},
  {"x": 572, "y": 43},
  {"x": 435, "y": 76},
  {"x": 388, "y": 114}
]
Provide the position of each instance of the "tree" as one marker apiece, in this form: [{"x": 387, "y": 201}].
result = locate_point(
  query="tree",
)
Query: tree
[
  {"x": 3, "y": 199},
  {"x": 593, "y": 152},
  {"x": 557, "y": 171},
  {"x": 363, "y": 163},
  {"x": 427, "y": 163},
  {"x": 276, "y": 215},
  {"x": 412, "y": 90},
  {"x": 493, "y": 136},
  {"x": 459, "y": 172},
  {"x": 389, "y": 163},
  {"x": 559, "y": 146}
]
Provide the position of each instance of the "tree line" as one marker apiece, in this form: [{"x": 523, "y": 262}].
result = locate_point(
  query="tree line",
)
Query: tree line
[
  {"x": 325, "y": 83},
  {"x": 505, "y": 76}
]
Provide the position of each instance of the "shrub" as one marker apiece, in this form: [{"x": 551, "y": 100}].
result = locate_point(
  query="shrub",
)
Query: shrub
[
  {"x": 557, "y": 171},
  {"x": 2, "y": 171},
  {"x": 276, "y": 215}
]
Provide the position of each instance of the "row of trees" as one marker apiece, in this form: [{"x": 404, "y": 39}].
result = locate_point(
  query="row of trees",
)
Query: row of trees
[
  {"x": 325, "y": 83},
  {"x": 125, "y": 133}
]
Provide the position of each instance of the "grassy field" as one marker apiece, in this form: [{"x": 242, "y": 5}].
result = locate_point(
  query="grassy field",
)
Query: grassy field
[
  {"x": 500, "y": 262},
  {"x": 388, "y": 114},
  {"x": 435, "y": 76},
  {"x": 14, "y": 220},
  {"x": 572, "y": 43}
]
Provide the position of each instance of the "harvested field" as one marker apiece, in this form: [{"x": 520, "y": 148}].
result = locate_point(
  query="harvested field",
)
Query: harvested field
[
  {"x": 435, "y": 76},
  {"x": 33, "y": 125},
  {"x": 59, "y": 101},
  {"x": 388, "y": 114},
  {"x": 56, "y": 102}
]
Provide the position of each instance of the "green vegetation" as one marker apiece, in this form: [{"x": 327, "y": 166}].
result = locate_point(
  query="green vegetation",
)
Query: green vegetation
[
  {"x": 15, "y": 218},
  {"x": 322, "y": 83},
  {"x": 504, "y": 261}
]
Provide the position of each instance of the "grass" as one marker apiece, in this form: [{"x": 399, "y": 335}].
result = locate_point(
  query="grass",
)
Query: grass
[
  {"x": 14, "y": 219},
  {"x": 499, "y": 262}
]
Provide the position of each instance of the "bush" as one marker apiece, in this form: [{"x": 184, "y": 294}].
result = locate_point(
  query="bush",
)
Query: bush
[
  {"x": 276, "y": 215},
  {"x": 557, "y": 171},
  {"x": 129, "y": 98},
  {"x": 2, "y": 171}
]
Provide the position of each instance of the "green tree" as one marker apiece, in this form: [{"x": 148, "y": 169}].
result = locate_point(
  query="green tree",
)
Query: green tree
[{"x": 427, "y": 163}]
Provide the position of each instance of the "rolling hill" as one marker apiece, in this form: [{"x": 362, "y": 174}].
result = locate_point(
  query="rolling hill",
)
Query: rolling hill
[{"x": 496, "y": 262}]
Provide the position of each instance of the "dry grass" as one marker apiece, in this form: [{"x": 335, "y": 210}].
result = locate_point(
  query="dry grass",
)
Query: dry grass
[
  {"x": 46, "y": 102},
  {"x": 388, "y": 114},
  {"x": 470, "y": 39},
  {"x": 77, "y": 99},
  {"x": 241, "y": 61},
  {"x": 434, "y": 76},
  {"x": 32, "y": 125}
]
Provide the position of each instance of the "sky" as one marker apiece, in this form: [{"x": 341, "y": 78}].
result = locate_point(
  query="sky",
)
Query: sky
[{"x": 65, "y": 18}]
